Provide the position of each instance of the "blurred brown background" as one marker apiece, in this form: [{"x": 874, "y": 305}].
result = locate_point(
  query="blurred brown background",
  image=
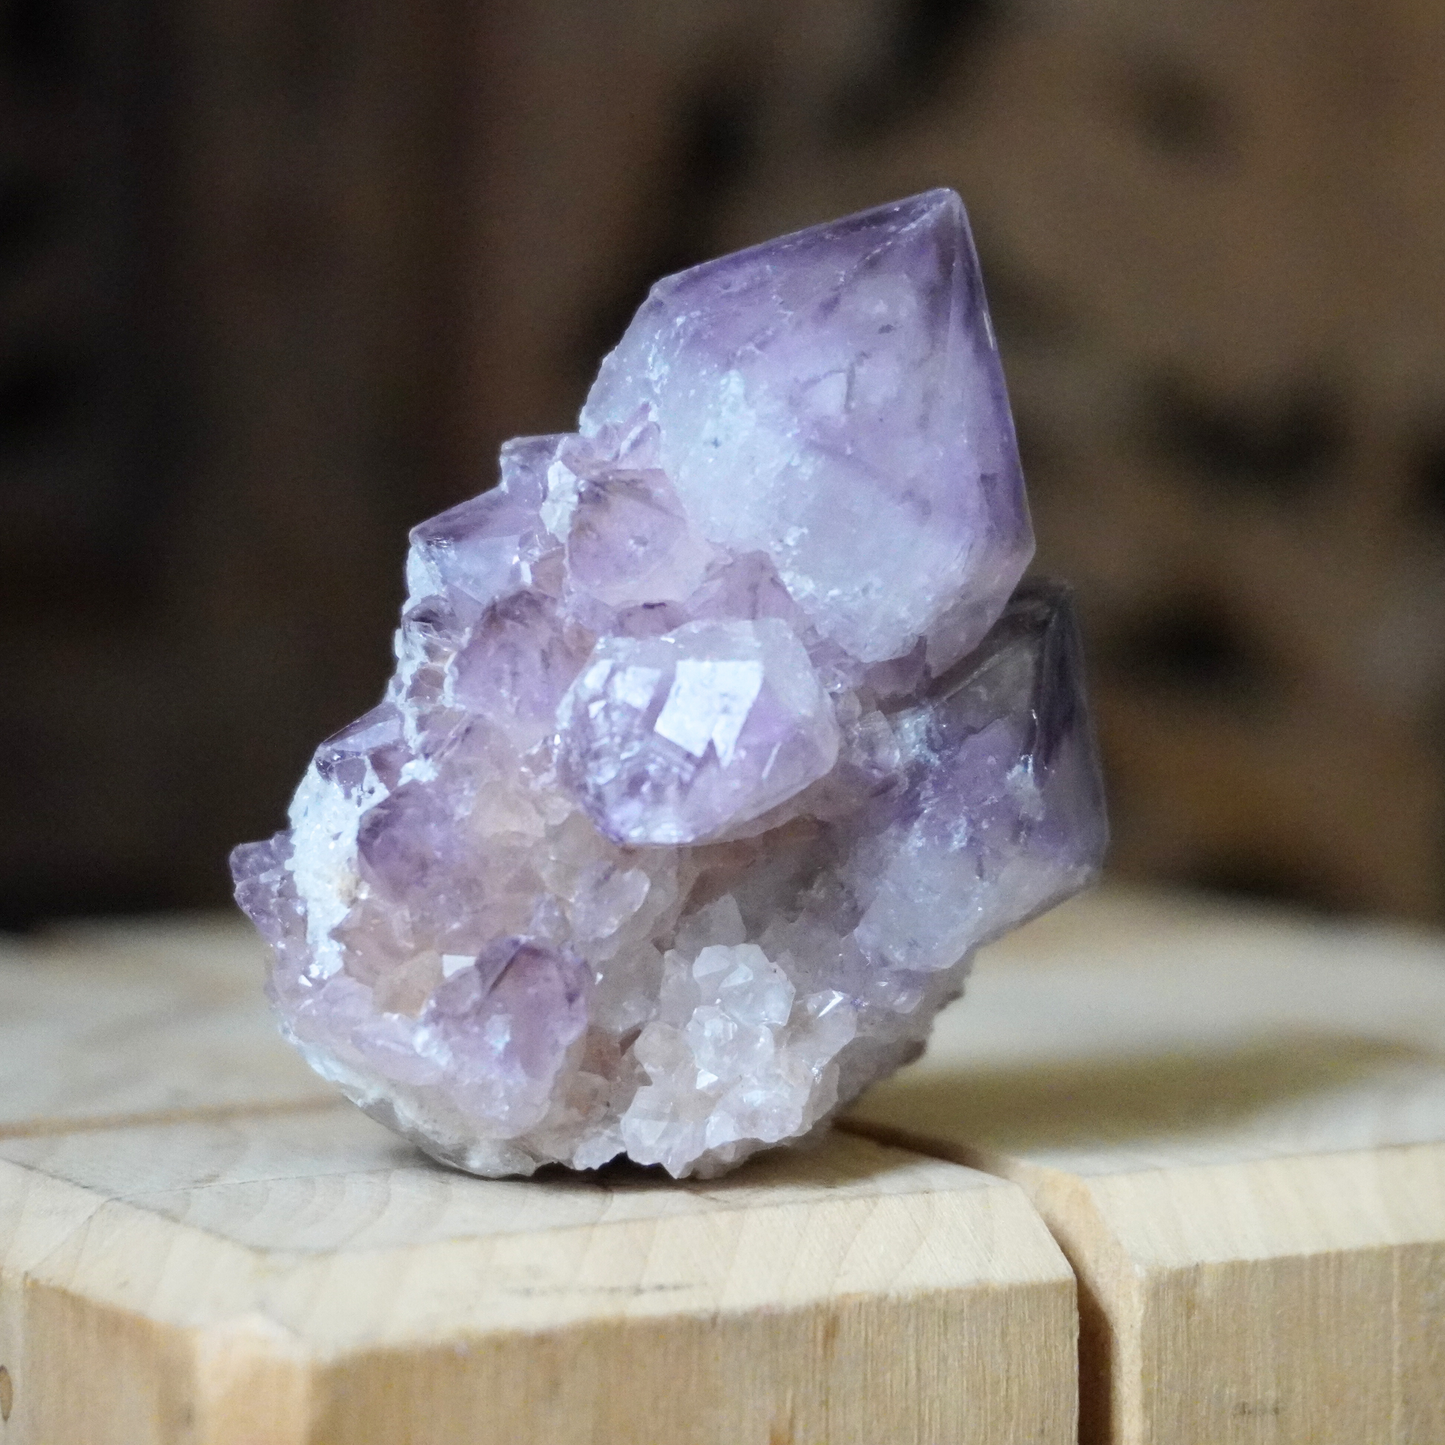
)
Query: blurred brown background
[{"x": 277, "y": 276}]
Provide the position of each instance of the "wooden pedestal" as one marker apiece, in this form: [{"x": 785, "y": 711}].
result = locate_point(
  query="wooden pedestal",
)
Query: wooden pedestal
[
  {"x": 200, "y": 1244},
  {"x": 1233, "y": 1122}
]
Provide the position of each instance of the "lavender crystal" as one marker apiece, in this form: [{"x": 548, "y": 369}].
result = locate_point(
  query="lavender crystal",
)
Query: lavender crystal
[{"x": 721, "y": 735}]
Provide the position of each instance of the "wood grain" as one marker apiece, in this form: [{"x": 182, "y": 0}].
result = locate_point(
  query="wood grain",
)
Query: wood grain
[
  {"x": 138, "y": 1019},
  {"x": 1233, "y": 1121},
  {"x": 199, "y": 1245}
]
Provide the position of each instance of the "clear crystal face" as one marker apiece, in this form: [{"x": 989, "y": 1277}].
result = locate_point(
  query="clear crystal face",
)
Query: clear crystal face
[
  {"x": 721, "y": 734},
  {"x": 675, "y": 739}
]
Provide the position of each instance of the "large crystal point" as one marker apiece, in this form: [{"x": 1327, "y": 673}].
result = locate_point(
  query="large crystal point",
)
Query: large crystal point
[
  {"x": 834, "y": 399},
  {"x": 721, "y": 734}
]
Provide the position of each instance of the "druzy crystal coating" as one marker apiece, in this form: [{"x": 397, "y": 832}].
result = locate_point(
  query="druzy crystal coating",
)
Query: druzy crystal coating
[{"x": 722, "y": 733}]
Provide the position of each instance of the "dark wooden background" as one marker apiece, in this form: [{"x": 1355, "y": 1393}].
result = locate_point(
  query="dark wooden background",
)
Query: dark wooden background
[{"x": 277, "y": 276}]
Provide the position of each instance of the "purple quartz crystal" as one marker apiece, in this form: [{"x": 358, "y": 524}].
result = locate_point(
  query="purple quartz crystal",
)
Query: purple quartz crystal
[
  {"x": 673, "y": 739},
  {"x": 722, "y": 733}
]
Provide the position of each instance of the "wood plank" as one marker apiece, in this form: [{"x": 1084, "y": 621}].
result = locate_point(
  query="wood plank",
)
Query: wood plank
[
  {"x": 1233, "y": 1120},
  {"x": 140, "y": 1019},
  {"x": 193, "y": 1267}
]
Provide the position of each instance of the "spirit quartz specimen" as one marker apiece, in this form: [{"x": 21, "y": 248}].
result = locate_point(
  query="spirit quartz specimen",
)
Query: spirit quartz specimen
[{"x": 722, "y": 733}]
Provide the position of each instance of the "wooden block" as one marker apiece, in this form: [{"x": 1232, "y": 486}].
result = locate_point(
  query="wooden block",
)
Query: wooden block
[
  {"x": 101, "y": 1024},
  {"x": 178, "y": 1264},
  {"x": 1234, "y": 1123}
]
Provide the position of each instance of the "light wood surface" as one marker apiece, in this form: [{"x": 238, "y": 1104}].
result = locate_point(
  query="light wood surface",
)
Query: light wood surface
[
  {"x": 199, "y": 1244},
  {"x": 1233, "y": 1120},
  {"x": 104, "y": 1023}
]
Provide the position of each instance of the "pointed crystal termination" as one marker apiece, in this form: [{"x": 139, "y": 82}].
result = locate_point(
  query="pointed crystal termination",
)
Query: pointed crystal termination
[
  {"x": 721, "y": 734},
  {"x": 834, "y": 399}
]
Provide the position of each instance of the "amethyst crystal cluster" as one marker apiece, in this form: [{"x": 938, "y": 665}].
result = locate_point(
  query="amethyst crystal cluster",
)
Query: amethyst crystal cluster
[{"x": 721, "y": 734}]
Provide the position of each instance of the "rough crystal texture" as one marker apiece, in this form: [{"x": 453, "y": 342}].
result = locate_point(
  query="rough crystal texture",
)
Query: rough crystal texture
[{"x": 721, "y": 734}]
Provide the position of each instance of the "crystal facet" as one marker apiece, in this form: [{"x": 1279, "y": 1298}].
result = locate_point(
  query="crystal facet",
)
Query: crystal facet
[{"x": 722, "y": 733}]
